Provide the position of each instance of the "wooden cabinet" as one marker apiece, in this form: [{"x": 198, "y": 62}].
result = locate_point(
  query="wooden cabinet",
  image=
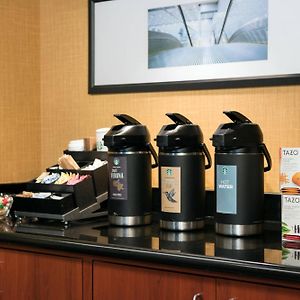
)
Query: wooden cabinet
[
  {"x": 1, "y": 281},
  {"x": 235, "y": 290},
  {"x": 39, "y": 274},
  {"x": 35, "y": 276},
  {"x": 114, "y": 281}
]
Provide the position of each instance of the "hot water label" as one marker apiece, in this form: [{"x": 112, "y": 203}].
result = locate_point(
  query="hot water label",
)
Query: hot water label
[
  {"x": 118, "y": 177},
  {"x": 170, "y": 189},
  {"x": 226, "y": 189}
]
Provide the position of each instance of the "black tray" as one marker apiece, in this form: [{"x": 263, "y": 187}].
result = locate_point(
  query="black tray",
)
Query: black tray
[
  {"x": 86, "y": 155},
  {"x": 12, "y": 188},
  {"x": 83, "y": 192},
  {"x": 99, "y": 176},
  {"x": 46, "y": 205}
]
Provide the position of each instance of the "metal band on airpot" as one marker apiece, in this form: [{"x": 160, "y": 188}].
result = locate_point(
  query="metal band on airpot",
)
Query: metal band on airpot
[
  {"x": 129, "y": 220},
  {"x": 181, "y": 225},
  {"x": 238, "y": 230}
]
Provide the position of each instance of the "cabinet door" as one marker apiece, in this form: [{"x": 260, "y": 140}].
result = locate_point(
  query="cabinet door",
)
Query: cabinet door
[
  {"x": 234, "y": 290},
  {"x": 39, "y": 277},
  {"x": 112, "y": 281},
  {"x": 1, "y": 281}
]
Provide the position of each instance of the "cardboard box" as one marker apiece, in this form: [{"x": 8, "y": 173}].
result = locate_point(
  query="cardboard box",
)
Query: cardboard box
[
  {"x": 290, "y": 171},
  {"x": 290, "y": 216},
  {"x": 291, "y": 254}
]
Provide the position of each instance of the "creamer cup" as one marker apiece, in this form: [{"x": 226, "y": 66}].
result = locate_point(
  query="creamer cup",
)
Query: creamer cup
[{"x": 100, "y": 139}]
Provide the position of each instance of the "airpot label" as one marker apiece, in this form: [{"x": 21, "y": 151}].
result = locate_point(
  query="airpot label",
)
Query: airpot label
[
  {"x": 226, "y": 189},
  {"x": 170, "y": 189},
  {"x": 118, "y": 177}
]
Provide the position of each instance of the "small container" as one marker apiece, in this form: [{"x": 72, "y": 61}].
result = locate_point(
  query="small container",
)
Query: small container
[
  {"x": 76, "y": 145},
  {"x": 100, "y": 133}
]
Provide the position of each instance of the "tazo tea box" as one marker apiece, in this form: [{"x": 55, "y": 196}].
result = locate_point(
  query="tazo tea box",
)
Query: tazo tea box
[
  {"x": 290, "y": 171},
  {"x": 290, "y": 216},
  {"x": 290, "y": 254}
]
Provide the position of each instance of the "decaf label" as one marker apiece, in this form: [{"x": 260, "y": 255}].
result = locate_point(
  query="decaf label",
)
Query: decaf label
[
  {"x": 226, "y": 189},
  {"x": 170, "y": 189},
  {"x": 117, "y": 177}
]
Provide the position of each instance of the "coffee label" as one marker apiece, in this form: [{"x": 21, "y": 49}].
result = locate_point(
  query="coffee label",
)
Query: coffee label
[
  {"x": 226, "y": 189},
  {"x": 117, "y": 166},
  {"x": 170, "y": 189}
]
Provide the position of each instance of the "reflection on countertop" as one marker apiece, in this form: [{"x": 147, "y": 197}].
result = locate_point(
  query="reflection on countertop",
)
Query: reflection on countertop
[
  {"x": 266, "y": 248},
  {"x": 6, "y": 224}
]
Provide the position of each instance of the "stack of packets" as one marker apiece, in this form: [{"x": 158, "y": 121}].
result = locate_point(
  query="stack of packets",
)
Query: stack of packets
[
  {"x": 290, "y": 193},
  {"x": 67, "y": 178},
  {"x": 67, "y": 162}
]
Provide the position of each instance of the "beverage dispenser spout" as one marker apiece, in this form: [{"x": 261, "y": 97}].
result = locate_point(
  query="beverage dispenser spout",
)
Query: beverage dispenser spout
[
  {"x": 126, "y": 119},
  {"x": 236, "y": 117},
  {"x": 178, "y": 118}
]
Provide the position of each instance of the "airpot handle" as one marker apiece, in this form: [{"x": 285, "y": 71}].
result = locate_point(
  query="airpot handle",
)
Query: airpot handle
[
  {"x": 153, "y": 153},
  {"x": 208, "y": 157},
  {"x": 268, "y": 158},
  {"x": 178, "y": 118},
  {"x": 126, "y": 119},
  {"x": 236, "y": 117}
]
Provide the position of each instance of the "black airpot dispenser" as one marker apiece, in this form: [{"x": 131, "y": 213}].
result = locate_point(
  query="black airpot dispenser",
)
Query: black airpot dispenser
[
  {"x": 182, "y": 174},
  {"x": 239, "y": 176},
  {"x": 130, "y": 175}
]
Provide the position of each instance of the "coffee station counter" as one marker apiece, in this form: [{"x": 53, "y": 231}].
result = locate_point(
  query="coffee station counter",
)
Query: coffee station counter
[{"x": 258, "y": 262}]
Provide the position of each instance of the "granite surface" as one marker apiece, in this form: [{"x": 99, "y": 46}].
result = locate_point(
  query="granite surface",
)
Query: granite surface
[{"x": 262, "y": 255}]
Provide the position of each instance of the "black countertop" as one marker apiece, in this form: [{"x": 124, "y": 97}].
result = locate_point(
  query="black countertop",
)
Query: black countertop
[{"x": 261, "y": 255}]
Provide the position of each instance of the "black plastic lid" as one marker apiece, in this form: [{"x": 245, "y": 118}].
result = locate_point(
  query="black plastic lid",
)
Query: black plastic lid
[
  {"x": 129, "y": 134},
  {"x": 241, "y": 133},
  {"x": 181, "y": 134}
]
